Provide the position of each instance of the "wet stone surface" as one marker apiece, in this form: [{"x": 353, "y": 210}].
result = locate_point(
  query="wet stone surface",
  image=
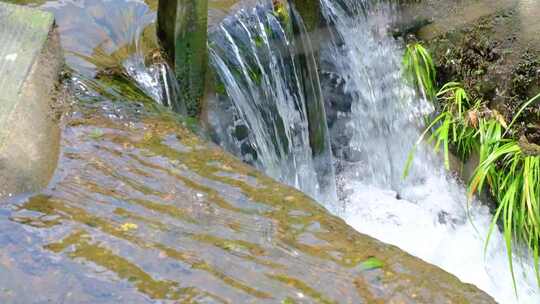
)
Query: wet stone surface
[{"x": 147, "y": 212}]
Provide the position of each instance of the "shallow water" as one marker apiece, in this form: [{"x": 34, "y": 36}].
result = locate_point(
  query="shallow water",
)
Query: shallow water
[
  {"x": 136, "y": 204},
  {"x": 143, "y": 211}
]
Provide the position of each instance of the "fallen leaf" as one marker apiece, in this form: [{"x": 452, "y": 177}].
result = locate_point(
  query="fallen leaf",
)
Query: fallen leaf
[
  {"x": 371, "y": 263},
  {"x": 96, "y": 134},
  {"x": 128, "y": 227}
]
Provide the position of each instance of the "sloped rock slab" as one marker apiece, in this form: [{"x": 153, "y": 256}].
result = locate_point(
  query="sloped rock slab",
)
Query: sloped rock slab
[{"x": 143, "y": 211}]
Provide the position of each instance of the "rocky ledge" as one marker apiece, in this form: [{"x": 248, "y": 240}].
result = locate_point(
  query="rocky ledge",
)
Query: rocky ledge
[{"x": 142, "y": 209}]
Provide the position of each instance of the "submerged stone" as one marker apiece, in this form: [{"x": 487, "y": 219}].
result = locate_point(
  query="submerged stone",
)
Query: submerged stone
[{"x": 30, "y": 63}]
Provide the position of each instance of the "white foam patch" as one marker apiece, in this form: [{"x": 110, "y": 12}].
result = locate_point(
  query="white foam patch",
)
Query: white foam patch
[
  {"x": 433, "y": 224},
  {"x": 11, "y": 57}
]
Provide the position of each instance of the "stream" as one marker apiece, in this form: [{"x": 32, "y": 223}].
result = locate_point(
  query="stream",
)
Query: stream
[
  {"x": 106, "y": 200},
  {"x": 374, "y": 121},
  {"x": 427, "y": 213}
]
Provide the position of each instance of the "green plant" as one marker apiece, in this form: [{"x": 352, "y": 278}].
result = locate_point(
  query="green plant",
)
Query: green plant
[
  {"x": 455, "y": 96},
  {"x": 461, "y": 120},
  {"x": 513, "y": 179},
  {"x": 523, "y": 107},
  {"x": 509, "y": 171},
  {"x": 453, "y": 127},
  {"x": 371, "y": 263},
  {"x": 419, "y": 69}
]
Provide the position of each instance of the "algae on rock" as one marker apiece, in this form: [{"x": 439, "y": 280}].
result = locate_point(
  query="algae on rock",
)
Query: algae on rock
[{"x": 182, "y": 30}]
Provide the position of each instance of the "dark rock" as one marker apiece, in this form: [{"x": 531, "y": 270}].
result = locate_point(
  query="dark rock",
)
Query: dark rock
[{"x": 241, "y": 132}]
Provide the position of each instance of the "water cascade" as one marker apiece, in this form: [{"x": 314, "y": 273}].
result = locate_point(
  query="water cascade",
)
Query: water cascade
[
  {"x": 157, "y": 80},
  {"x": 141, "y": 203},
  {"x": 427, "y": 213},
  {"x": 374, "y": 119},
  {"x": 116, "y": 49},
  {"x": 270, "y": 109}
]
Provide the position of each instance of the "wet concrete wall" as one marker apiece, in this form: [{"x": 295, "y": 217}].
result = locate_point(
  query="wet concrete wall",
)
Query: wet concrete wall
[{"x": 30, "y": 62}]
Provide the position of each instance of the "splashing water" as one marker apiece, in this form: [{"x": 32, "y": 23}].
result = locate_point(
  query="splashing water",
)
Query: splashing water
[
  {"x": 270, "y": 111},
  {"x": 426, "y": 214},
  {"x": 157, "y": 81},
  {"x": 115, "y": 46}
]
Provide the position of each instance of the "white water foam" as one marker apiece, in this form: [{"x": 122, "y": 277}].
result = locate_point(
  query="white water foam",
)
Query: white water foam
[
  {"x": 427, "y": 214},
  {"x": 432, "y": 223}
]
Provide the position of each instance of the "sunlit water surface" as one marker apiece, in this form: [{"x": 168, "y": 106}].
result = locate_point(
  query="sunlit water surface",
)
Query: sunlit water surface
[{"x": 425, "y": 215}]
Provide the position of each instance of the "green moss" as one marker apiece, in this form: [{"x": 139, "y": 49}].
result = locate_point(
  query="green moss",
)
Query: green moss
[
  {"x": 259, "y": 41},
  {"x": 183, "y": 35},
  {"x": 301, "y": 286},
  {"x": 281, "y": 12},
  {"x": 81, "y": 248},
  {"x": 255, "y": 75},
  {"x": 118, "y": 186},
  {"x": 310, "y": 10}
]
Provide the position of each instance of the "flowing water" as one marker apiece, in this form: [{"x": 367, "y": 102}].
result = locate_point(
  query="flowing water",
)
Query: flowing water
[
  {"x": 112, "y": 222},
  {"x": 141, "y": 210},
  {"x": 426, "y": 214},
  {"x": 111, "y": 48},
  {"x": 374, "y": 119},
  {"x": 271, "y": 111}
]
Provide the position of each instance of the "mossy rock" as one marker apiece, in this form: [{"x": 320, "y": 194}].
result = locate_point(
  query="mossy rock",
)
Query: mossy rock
[
  {"x": 165, "y": 216},
  {"x": 182, "y": 31}
]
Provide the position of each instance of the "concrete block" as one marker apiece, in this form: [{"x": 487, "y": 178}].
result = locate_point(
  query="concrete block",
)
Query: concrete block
[{"x": 30, "y": 62}]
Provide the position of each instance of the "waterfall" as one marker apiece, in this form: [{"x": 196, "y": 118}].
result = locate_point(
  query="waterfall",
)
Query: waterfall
[
  {"x": 382, "y": 118},
  {"x": 269, "y": 110},
  {"x": 116, "y": 50},
  {"x": 157, "y": 80},
  {"x": 374, "y": 121},
  {"x": 153, "y": 76}
]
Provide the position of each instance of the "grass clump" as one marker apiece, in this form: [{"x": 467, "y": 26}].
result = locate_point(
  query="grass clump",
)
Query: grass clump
[
  {"x": 459, "y": 117},
  {"x": 420, "y": 69},
  {"x": 454, "y": 126},
  {"x": 513, "y": 179},
  {"x": 510, "y": 172}
]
